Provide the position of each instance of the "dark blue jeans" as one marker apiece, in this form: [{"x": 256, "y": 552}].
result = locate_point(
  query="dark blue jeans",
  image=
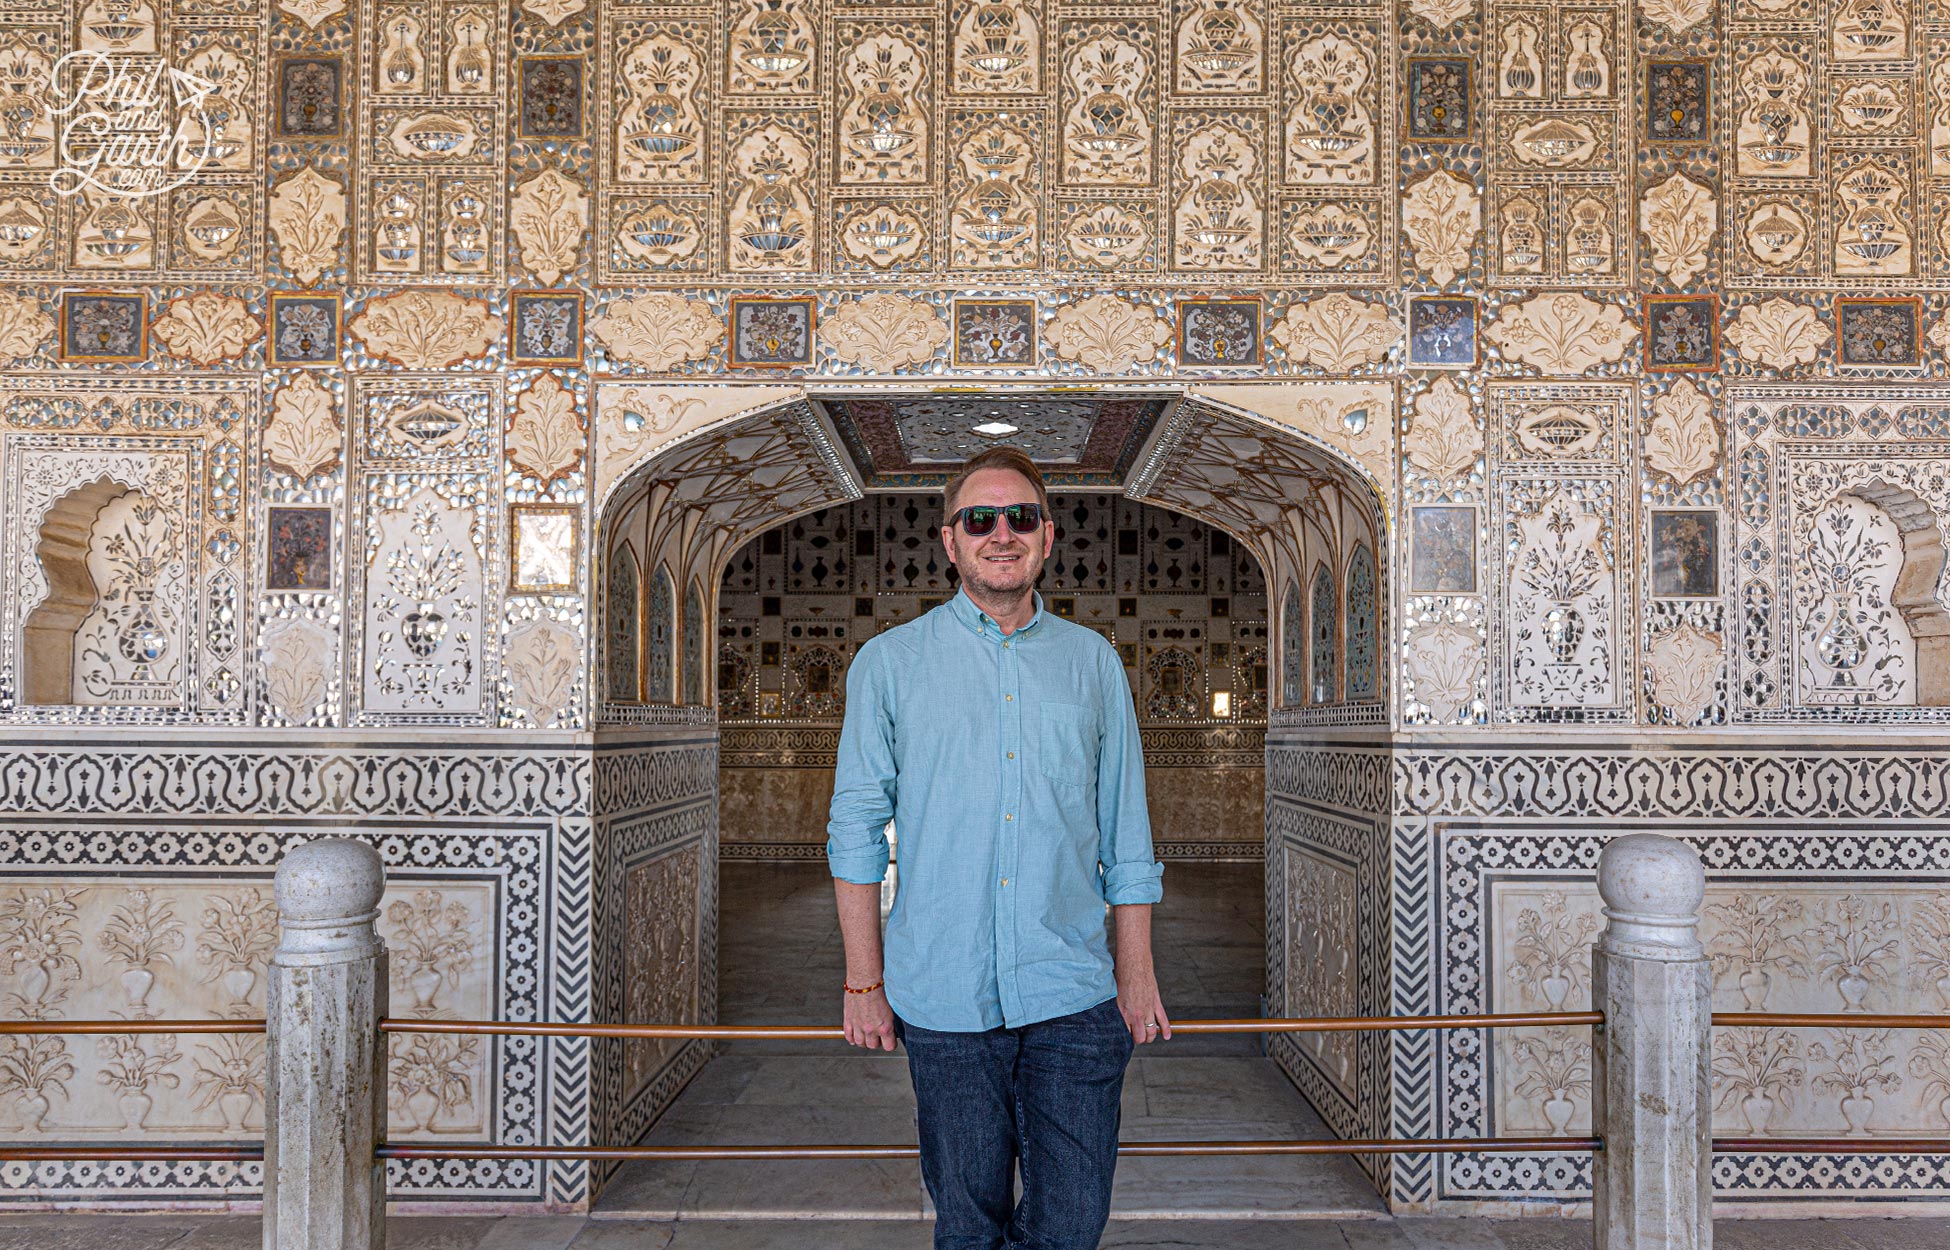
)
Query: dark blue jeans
[{"x": 1047, "y": 1095}]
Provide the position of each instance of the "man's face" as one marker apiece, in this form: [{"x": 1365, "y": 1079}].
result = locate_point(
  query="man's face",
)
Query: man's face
[{"x": 1001, "y": 563}]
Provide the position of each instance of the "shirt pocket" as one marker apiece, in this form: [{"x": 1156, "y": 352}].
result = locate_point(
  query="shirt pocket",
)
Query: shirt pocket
[{"x": 1066, "y": 743}]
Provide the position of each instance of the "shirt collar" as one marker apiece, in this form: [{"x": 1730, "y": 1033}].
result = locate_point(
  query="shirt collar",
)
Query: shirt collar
[{"x": 972, "y": 616}]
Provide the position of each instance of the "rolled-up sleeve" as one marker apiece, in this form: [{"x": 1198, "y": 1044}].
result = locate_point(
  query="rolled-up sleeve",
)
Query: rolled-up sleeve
[
  {"x": 864, "y": 784},
  {"x": 1131, "y": 875}
]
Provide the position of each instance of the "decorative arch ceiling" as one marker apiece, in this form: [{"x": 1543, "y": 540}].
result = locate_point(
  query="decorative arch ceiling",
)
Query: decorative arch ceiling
[{"x": 1260, "y": 482}]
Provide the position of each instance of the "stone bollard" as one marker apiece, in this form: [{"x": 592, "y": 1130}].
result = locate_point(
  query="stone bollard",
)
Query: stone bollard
[
  {"x": 1651, "y": 1073},
  {"x": 325, "y": 1088}
]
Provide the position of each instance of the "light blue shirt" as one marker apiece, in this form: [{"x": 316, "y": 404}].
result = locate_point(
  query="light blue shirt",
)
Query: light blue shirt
[{"x": 1014, "y": 773}]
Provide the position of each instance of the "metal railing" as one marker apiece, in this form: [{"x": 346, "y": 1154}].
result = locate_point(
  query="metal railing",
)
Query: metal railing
[
  {"x": 794, "y": 1032},
  {"x": 325, "y": 1151}
]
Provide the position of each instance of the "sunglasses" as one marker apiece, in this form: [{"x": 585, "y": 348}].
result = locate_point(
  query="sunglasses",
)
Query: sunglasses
[{"x": 978, "y": 519}]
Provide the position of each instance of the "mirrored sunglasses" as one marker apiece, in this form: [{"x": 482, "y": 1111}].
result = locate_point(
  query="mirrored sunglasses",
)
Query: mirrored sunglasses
[{"x": 979, "y": 519}]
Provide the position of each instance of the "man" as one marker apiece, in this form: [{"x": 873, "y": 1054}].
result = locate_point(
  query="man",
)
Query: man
[{"x": 1003, "y": 743}]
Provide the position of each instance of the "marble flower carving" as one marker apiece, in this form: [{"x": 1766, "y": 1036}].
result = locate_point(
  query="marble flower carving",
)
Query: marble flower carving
[
  {"x": 23, "y": 325},
  {"x": 1106, "y": 333},
  {"x": 426, "y": 329},
  {"x": 1441, "y": 215},
  {"x": 545, "y": 438},
  {"x": 297, "y": 668},
  {"x": 554, "y": 11},
  {"x": 303, "y": 434},
  {"x": 312, "y": 12},
  {"x": 207, "y": 328},
  {"x": 1684, "y": 440},
  {"x": 883, "y": 333},
  {"x": 307, "y": 214},
  {"x": 658, "y": 330},
  {"x": 542, "y": 662},
  {"x": 1337, "y": 332},
  {"x": 1444, "y": 660},
  {"x": 1444, "y": 440},
  {"x": 1684, "y": 666},
  {"x": 1939, "y": 336},
  {"x": 1778, "y": 333},
  {"x": 1679, "y": 217},
  {"x": 551, "y": 214},
  {"x": 1677, "y": 16},
  {"x": 1441, "y": 14},
  {"x": 1563, "y": 332}
]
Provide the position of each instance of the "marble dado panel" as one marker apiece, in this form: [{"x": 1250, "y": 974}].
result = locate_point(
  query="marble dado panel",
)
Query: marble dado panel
[
  {"x": 80, "y": 947},
  {"x": 488, "y": 849},
  {"x": 1826, "y": 879},
  {"x": 1327, "y": 893}
]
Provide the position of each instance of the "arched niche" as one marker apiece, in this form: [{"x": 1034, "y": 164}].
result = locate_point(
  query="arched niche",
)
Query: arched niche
[
  {"x": 1873, "y": 626},
  {"x": 110, "y": 630}
]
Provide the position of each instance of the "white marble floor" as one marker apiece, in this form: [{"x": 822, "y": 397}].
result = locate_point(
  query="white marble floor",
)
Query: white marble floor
[
  {"x": 781, "y": 961},
  {"x": 181, "y": 1232}
]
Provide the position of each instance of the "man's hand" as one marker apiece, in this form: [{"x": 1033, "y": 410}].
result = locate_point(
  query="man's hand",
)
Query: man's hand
[
  {"x": 1137, "y": 982},
  {"x": 1138, "y": 1001},
  {"x": 868, "y": 1020}
]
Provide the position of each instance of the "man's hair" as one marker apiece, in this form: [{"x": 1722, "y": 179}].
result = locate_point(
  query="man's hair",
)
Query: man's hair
[{"x": 1014, "y": 459}]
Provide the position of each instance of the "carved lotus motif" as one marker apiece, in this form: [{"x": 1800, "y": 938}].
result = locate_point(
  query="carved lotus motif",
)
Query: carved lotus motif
[
  {"x": 1444, "y": 660},
  {"x": 543, "y": 661},
  {"x": 426, "y": 329},
  {"x": 550, "y": 213},
  {"x": 307, "y": 214},
  {"x": 1563, "y": 332},
  {"x": 1107, "y": 333},
  {"x": 1441, "y": 215},
  {"x": 1939, "y": 336},
  {"x": 545, "y": 438},
  {"x": 24, "y": 327},
  {"x": 883, "y": 333},
  {"x": 1337, "y": 332},
  {"x": 1684, "y": 440},
  {"x": 298, "y": 659},
  {"x": 659, "y": 330},
  {"x": 312, "y": 12},
  {"x": 1684, "y": 664},
  {"x": 1441, "y": 14},
  {"x": 303, "y": 434},
  {"x": 554, "y": 11},
  {"x": 1778, "y": 333},
  {"x": 1444, "y": 439},
  {"x": 1680, "y": 218},
  {"x": 207, "y": 328},
  {"x": 1677, "y": 16}
]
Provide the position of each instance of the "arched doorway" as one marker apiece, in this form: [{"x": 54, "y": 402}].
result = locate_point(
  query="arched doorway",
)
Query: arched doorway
[{"x": 1277, "y": 468}]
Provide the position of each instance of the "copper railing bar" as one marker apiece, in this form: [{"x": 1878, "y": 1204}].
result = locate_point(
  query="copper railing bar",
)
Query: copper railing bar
[
  {"x": 1833, "y": 1020},
  {"x": 71, "y": 1028},
  {"x": 818, "y": 1032},
  {"x": 57, "y": 1153},
  {"x": 1386, "y": 1146},
  {"x": 1832, "y": 1145}
]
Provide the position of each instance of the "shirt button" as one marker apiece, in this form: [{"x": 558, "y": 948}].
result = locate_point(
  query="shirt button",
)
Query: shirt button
[
  {"x": 1012, "y": 755},
  {"x": 1008, "y": 698},
  {"x": 1005, "y": 881},
  {"x": 1008, "y": 815},
  {"x": 1005, "y": 646}
]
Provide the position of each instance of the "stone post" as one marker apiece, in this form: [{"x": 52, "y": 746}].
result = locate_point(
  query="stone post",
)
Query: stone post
[
  {"x": 325, "y": 1085},
  {"x": 1652, "y": 1098}
]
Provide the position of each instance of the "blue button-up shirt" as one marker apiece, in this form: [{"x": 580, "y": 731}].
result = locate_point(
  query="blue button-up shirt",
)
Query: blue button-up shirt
[{"x": 1014, "y": 774}]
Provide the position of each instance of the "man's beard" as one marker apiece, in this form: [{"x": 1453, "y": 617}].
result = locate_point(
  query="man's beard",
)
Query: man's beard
[{"x": 999, "y": 580}]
